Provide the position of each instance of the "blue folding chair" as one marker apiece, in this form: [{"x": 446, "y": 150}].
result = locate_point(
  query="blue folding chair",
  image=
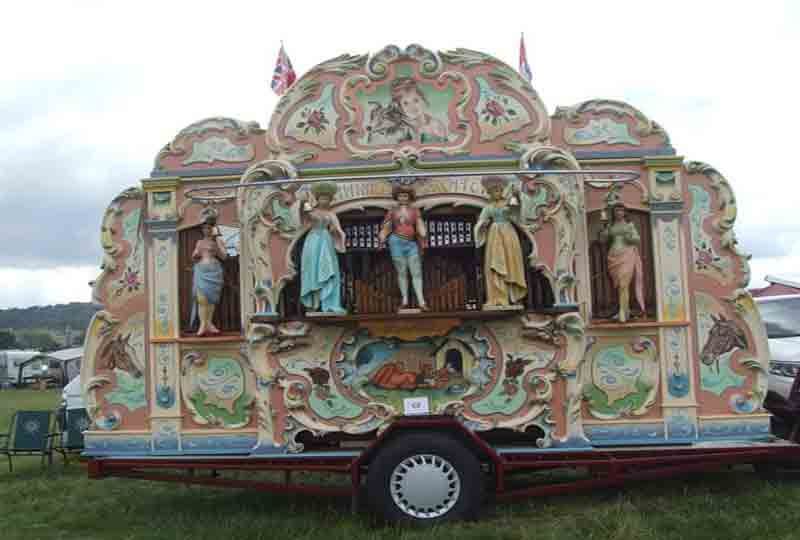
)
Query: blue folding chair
[
  {"x": 69, "y": 437},
  {"x": 29, "y": 436}
]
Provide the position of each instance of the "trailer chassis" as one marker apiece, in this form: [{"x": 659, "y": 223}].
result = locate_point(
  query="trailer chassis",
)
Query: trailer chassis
[{"x": 607, "y": 467}]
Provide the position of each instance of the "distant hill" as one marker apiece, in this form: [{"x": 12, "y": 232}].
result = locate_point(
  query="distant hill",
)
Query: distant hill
[{"x": 76, "y": 315}]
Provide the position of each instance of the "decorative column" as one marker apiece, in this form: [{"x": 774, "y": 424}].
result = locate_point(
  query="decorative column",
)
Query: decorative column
[
  {"x": 164, "y": 320},
  {"x": 679, "y": 403}
]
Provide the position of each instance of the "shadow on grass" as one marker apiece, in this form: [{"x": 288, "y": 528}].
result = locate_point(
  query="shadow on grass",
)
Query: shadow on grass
[{"x": 63, "y": 503}]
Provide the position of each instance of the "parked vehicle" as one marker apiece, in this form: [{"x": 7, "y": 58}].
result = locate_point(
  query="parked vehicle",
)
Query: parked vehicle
[
  {"x": 781, "y": 315},
  {"x": 434, "y": 285},
  {"x": 21, "y": 367},
  {"x": 71, "y": 395},
  {"x": 72, "y": 419}
]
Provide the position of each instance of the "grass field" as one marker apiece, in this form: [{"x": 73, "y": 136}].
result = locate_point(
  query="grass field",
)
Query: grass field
[{"x": 62, "y": 503}]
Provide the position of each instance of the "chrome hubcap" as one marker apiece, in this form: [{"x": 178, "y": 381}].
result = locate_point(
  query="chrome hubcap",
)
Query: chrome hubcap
[{"x": 425, "y": 486}]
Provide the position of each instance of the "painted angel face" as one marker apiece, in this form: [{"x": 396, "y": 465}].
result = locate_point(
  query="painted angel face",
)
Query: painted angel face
[
  {"x": 403, "y": 198},
  {"x": 412, "y": 105}
]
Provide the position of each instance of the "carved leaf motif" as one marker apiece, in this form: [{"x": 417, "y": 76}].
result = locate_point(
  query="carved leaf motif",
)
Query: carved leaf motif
[
  {"x": 466, "y": 57},
  {"x": 342, "y": 64},
  {"x": 725, "y": 217},
  {"x": 644, "y": 126},
  {"x": 177, "y": 145}
]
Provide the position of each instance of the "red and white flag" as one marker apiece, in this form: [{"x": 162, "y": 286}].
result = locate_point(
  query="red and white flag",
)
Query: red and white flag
[
  {"x": 284, "y": 75},
  {"x": 524, "y": 67}
]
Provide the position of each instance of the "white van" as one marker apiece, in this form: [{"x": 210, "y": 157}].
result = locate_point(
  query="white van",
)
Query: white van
[{"x": 71, "y": 395}]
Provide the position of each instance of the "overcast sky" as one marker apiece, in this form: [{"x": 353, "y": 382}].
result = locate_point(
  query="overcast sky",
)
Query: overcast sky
[{"x": 90, "y": 91}]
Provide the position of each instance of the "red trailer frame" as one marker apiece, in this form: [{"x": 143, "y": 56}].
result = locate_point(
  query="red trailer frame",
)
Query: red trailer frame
[{"x": 607, "y": 467}]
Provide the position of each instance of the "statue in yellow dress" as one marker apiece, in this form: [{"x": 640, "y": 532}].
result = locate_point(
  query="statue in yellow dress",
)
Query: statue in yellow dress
[{"x": 503, "y": 264}]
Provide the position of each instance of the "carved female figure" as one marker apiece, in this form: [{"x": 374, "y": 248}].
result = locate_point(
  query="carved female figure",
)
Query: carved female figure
[
  {"x": 404, "y": 230},
  {"x": 503, "y": 264},
  {"x": 321, "y": 279},
  {"x": 207, "y": 276},
  {"x": 624, "y": 261}
]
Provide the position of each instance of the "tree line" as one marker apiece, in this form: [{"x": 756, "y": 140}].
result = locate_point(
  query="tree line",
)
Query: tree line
[{"x": 44, "y": 327}]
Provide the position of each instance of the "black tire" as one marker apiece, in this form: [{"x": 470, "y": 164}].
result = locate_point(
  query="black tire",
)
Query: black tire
[{"x": 444, "y": 460}]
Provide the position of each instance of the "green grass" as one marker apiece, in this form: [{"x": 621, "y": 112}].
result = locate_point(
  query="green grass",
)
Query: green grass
[{"x": 62, "y": 503}]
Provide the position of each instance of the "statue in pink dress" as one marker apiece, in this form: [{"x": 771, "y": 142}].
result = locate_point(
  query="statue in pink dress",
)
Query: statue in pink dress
[{"x": 624, "y": 260}]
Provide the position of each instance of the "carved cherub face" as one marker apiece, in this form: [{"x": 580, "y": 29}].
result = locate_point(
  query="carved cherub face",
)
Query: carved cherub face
[
  {"x": 324, "y": 201},
  {"x": 619, "y": 213},
  {"x": 496, "y": 192}
]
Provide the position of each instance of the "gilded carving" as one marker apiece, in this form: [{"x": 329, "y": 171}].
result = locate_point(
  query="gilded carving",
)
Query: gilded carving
[
  {"x": 560, "y": 204},
  {"x": 622, "y": 379},
  {"x": 723, "y": 219},
  {"x": 217, "y": 388},
  {"x": 644, "y": 127},
  {"x": 178, "y": 145},
  {"x": 724, "y": 349}
]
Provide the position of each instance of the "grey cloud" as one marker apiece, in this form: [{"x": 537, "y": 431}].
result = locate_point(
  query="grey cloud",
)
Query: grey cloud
[
  {"x": 763, "y": 241},
  {"x": 27, "y": 101},
  {"x": 56, "y": 180},
  {"x": 51, "y": 208}
]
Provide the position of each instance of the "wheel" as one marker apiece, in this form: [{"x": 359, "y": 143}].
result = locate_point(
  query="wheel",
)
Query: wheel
[{"x": 425, "y": 479}]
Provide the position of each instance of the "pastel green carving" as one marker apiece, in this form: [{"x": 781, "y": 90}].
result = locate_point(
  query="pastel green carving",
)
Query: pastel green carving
[
  {"x": 223, "y": 383},
  {"x": 632, "y": 402},
  {"x": 719, "y": 381},
  {"x": 499, "y": 402},
  {"x": 704, "y": 254},
  {"x": 128, "y": 392},
  {"x": 333, "y": 406},
  {"x": 623, "y": 380},
  {"x": 218, "y": 393},
  {"x": 238, "y": 416},
  {"x": 666, "y": 178},
  {"x": 600, "y": 130},
  {"x": 130, "y": 226}
]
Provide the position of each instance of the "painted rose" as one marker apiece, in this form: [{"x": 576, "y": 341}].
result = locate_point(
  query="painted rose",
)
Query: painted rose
[
  {"x": 494, "y": 108},
  {"x": 314, "y": 120},
  {"x": 497, "y": 110},
  {"x": 129, "y": 281}
]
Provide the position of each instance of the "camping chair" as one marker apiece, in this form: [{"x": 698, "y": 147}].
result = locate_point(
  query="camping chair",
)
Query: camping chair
[
  {"x": 29, "y": 435},
  {"x": 69, "y": 438}
]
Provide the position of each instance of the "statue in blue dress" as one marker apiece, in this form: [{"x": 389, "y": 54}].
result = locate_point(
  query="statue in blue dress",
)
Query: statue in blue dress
[
  {"x": 321, "y": 279},
  {"x": 207, "y": 276}
]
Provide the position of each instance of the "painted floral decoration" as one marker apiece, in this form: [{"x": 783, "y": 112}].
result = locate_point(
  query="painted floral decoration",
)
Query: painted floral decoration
[
  {"x": 705, "y": 257},
  {"x": 515, "y": 367},
  {"x": 497, "y": 110},
  {"x": 313, "y": 120},
  {"x": 129, "y": 281}
]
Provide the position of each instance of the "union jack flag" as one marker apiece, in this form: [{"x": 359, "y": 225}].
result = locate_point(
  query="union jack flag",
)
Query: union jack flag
[
  {"x": 284, "y": 75},
  {"x": 524, "y": 68}
]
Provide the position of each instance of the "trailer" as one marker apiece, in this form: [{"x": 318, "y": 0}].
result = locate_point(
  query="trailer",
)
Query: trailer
[{"x": 417, "y": 278}]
